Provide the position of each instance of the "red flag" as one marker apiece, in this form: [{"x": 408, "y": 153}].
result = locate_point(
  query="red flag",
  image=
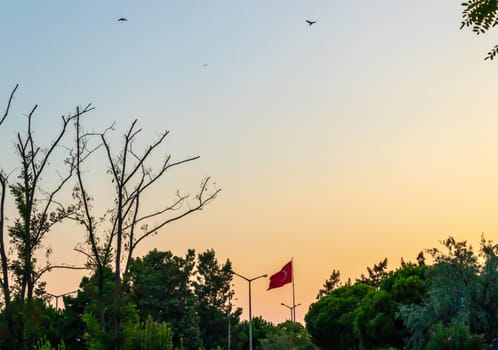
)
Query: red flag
[{"x": 282, "y": 277}]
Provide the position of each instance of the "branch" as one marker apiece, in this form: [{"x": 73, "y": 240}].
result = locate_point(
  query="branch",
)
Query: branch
[
  {"x": 164, "y": 168},
  {"x": 51, "y": 200},
  {"x": 88, "y": 219},
  {"x": 176, "y": 205},
  {"x": 83, "y": 252},
  {"x": 8, "y": 104},
  {"x": 201, "y": 203},
  {"x": 51, "y": 267},
  {"x": 65, "y": 122},
  {"x": 145, "y": 156},
  {"x": 132, "y": 234}
]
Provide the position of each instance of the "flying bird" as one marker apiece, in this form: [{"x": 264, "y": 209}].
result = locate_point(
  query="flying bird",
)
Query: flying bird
[
  {"x": 122, "y": 19},
  {"x": 310, "y": 22}
]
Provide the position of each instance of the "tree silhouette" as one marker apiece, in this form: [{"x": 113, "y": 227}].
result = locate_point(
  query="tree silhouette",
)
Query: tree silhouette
[{"x": 481, "y": 15}]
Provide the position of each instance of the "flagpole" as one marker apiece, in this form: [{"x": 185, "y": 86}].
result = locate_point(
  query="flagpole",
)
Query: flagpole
[{"x": 293, "y": 293}]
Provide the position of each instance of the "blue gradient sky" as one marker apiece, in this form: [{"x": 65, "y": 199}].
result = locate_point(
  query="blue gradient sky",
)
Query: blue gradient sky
[{"x": 371, "y": 134}]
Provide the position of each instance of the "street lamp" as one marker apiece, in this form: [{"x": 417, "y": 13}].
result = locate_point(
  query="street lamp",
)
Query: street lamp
[
  {"x": 249, "y": 280},
  {"x": 60, "y": 295},
  {"x": 292, "y": 310},
  {"x": 230, "y": 295}
]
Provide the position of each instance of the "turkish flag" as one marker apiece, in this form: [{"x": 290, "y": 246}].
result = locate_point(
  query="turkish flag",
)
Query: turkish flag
[{"x": 282, "y": 277}]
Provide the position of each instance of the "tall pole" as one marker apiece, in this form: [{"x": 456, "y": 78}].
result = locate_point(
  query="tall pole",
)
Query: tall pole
[
  {"x": 249, "y": 280},
  {"x": 250, "y": 317},
  {"x": 229, "y": 317},
  {"x": 293, "y": 293},
  {"x": 290, "y": 308}
]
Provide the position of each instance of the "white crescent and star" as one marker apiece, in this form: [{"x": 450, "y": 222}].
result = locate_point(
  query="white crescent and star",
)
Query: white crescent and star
[{"x": 285, "y": 275}]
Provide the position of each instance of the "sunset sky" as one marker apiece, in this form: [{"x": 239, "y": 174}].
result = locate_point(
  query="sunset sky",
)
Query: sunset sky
[{"x": 371, "y": 134}]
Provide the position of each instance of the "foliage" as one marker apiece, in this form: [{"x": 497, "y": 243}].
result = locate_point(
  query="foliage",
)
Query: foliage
[
  {"x": 160, "y": 286},
  {"x": 459, "y": 292},
  {"x": 213, "y": 293},
  {"x": 260, "y": 331},
  {"x": 375, "y": 274},
  {"x": 487, "y": 296},
  {"x": 113, "y": 238},
  {"x": 44, "y": 344},
  {"x": 330, "y": 319},
  {"x": 332, "y": 282},
  {"x": 191, "y": 295},
  {"x": 29, "y": 320},
  {"x": 287, "y": 335},
  {"x": 455, "y": 336},
  {"x": 148, "y": 335},
  {"x": 376, "y": 323},
  {"x": 481, "y": 15},
  {"x": 93, "y": 336}
]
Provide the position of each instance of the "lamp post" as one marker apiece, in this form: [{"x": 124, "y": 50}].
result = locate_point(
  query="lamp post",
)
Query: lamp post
[
  {"x": 292, "y": 310},
  {"x": 249, "y": 280},
  {"x": 58, "y": 296},
  {"x": 230, "y": 295}
]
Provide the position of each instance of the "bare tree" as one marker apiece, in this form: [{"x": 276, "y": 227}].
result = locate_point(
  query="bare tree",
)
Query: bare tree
[
  {"x": 37, "y": 208},
  {"x": 4, "y": 278},
  {"x": 37, "y": 212},
  {"x": 129, "y": 225}
]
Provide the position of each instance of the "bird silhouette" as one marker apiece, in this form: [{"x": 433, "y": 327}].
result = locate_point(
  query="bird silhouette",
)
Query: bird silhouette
[
  {"x": 310, "y": 22},
  {"x": 122, "y": 19}
]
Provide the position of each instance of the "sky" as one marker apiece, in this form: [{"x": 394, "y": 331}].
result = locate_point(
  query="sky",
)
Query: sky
[{"x": 370, "y": 134}]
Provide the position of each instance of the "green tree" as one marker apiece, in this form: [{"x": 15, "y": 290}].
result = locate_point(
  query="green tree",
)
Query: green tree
[
  {"x": 330, "y": 284},
  {"x": 83, "y": 308},
  {"x": 213, "y": 293},
  {"x": 43, "y": 324},
  {"x": 487, "y": 296},
  {"x": 454, "y": 295},
  {"x": 287, "y": 335},
  {"x": 261, "y": 329},
  {"x": 160, "y": 285},
  {"x": 454, "y": 336},
  {"x": 148, "y": 335},
  {"x": 330, "y": 320},
  {"x": 376, "y": 322},
  {"x": 375, "y": 274},
  {"x": 82, "y": 313}
]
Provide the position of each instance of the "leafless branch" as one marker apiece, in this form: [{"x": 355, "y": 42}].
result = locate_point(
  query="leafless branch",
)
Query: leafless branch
[
  {"x": 79, "y": 250},
  {"x": 176, "y": 205},
  {"x": 200, "y": 204},
  {"x": 8, "y": 104},
  {"x": 49, "y": 268},
  {"x": 145, "y": 156},
  {"x": 88, "y": 219}
]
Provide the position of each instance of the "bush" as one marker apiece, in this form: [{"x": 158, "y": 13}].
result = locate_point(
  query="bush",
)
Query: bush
[
  {"x": 148, "y": 335},
  {"x": 454, "y": 337}
]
